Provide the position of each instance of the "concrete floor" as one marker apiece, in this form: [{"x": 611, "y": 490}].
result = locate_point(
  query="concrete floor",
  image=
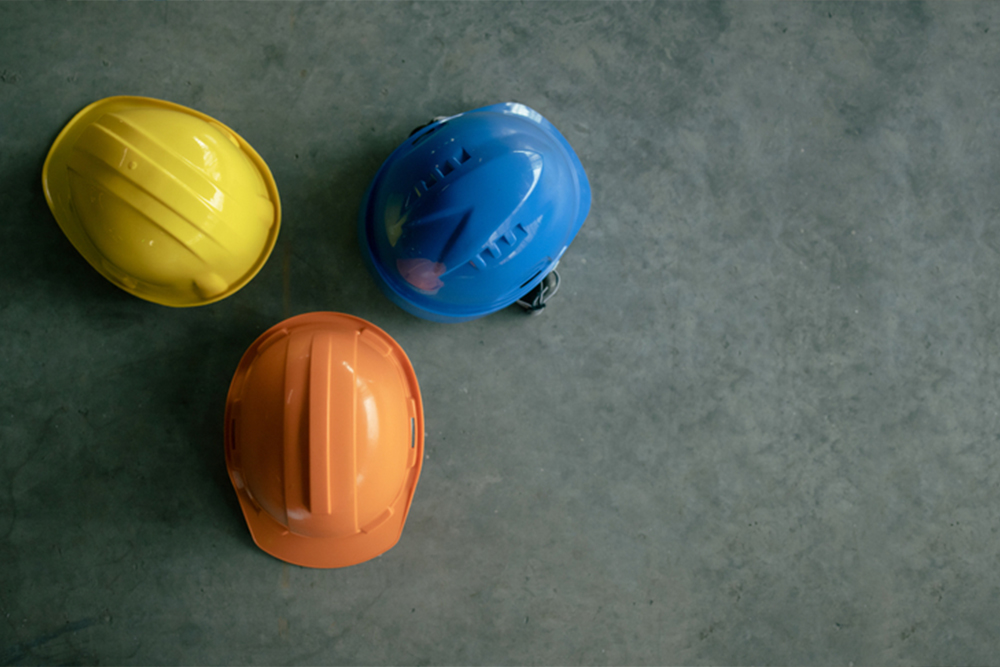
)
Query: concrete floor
[{"x": 759, "y": 425}]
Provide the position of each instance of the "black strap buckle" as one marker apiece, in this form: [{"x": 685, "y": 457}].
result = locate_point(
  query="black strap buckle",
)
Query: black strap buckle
[{"x": 534, "y": 301}]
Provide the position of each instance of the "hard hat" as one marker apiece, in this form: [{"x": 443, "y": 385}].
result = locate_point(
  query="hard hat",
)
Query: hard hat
[
  {"x": 472, "y": 212},
  {"x": 165, "y": 202},
  {"x": 324, "y": 439}
]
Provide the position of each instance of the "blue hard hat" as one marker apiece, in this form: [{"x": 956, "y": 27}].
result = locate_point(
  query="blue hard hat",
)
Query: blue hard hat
[{"x": 472, "y": 212}]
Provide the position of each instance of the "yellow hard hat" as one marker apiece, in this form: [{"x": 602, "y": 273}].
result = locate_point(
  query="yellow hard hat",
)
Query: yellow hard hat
[{"x": 165, "y": 202}]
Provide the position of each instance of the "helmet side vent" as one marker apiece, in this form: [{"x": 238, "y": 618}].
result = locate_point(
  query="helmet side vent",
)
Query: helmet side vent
[
  {"x": 437, "y": 175},
  {"x": 452, "y": 164}
]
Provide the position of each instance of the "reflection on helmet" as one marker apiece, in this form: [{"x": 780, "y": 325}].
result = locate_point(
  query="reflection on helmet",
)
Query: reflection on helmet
[
  {"x": 472, "y": 212},
  {"x": 165, "y": 202},
  {"x": 324, "y": 439}
]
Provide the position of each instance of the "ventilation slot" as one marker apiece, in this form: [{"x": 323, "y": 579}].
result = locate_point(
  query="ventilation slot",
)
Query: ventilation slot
[
  {"x": 413, "y": 432},
  {"x": 447, "y": 168},
  {"x": 430, "y": 182},
  {"x": 465, "y": 157}
]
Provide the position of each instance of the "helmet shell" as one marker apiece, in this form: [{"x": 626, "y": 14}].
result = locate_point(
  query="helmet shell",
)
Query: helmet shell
[
  {"x": 324, "y": 439},
  {"x": 165, "y": 202},
  {"x": 472, "y": 211}
]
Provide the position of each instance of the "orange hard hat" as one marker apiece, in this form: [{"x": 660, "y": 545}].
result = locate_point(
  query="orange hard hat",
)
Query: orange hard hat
[{"x": 324, "y": 439}]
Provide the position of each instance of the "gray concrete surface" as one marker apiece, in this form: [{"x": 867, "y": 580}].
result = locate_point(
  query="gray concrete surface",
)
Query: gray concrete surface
[{"x": 758, "y": 426}]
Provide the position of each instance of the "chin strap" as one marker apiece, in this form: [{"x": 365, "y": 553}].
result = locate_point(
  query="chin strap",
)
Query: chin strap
[{"x": 534, "y": 301}]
